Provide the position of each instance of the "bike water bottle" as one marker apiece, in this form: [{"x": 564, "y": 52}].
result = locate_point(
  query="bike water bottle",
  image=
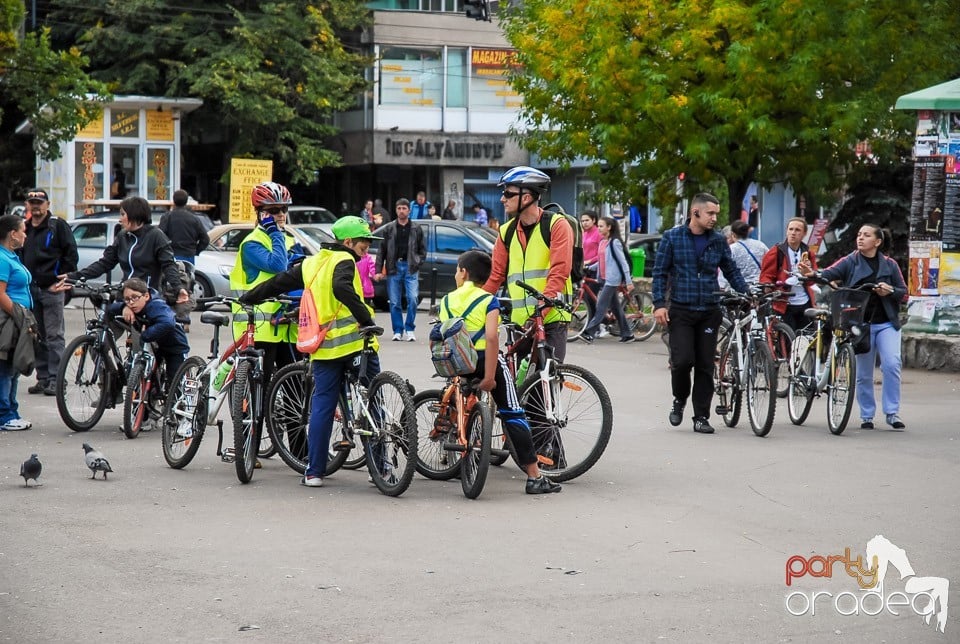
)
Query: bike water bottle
[
  {"x": 522, "y": 370},
  {"x": 222, "y": 372}
]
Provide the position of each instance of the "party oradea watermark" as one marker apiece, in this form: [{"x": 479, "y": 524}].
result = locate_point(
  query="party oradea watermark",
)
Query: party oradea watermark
[{"x": 923, "y": 596}]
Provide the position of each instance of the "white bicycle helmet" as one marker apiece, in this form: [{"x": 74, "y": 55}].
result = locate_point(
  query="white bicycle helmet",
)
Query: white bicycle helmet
[{"x": 525, "y": 177}]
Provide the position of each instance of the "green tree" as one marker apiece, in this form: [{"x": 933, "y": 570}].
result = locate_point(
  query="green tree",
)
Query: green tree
[
  {"x": 271, "y": 74},
  {"x": 48, "y": 87},
  {"x": 733, "y": 91}
]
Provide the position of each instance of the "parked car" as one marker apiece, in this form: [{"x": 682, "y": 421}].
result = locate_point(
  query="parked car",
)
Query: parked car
[
  {"x": 310, "y": 215},
  {"x": 649, "y": 243}
]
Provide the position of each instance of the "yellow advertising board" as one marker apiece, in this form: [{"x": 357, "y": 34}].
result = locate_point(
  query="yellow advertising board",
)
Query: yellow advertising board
[
  {"x": 93, "y": 129},
  {"x": 245, "y": 174},
  {"x": 159, "y": 125}
]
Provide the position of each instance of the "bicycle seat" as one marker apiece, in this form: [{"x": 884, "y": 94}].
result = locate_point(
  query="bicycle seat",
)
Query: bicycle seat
[
  {"x": 216, "y": 319},
  {"x": 813, "y": 313},
  {"x": 370, "y": 330}
]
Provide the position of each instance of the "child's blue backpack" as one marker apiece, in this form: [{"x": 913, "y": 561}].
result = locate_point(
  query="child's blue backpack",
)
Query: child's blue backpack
[{"x": 452, "y": 346}]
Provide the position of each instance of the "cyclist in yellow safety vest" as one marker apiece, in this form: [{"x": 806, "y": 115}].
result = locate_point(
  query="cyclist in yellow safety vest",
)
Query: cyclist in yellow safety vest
[
  {"x": 265, "y": 252},
  {"x": 521, "y": 253},
  {"x": 333, "y": 280}
]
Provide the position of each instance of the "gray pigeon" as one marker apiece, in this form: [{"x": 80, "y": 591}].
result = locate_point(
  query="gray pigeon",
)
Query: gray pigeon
[
  {"x": 96, "y": 461},
  {"x": 30, "y": 469}
]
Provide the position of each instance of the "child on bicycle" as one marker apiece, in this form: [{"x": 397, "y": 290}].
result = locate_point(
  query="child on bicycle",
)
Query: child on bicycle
[
  {"x": 148, "y": 310},
  {"x": 473, "y": 268}
]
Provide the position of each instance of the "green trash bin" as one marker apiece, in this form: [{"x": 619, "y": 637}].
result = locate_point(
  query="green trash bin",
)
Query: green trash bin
[{"x": 639, "y": 257}]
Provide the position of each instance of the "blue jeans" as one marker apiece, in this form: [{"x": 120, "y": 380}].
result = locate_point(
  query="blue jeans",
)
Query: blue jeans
[
  {"x": 885, "y": 340},
  {"x": 411, "y": 286},
  {"x": 328, "y": 380},
  {"x": 8, "y": 392}
]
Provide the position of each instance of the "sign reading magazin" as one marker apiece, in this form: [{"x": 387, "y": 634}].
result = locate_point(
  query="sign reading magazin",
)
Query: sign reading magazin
[
  {"x": 933, "y": 279},
  {"x": 245, "y": 174}
]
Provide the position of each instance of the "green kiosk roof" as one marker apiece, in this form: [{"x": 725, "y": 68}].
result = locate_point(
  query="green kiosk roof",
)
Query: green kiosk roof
[{"x": 943, "y": 97}]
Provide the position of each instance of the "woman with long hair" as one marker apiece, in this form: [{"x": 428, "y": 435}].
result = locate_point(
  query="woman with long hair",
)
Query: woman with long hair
[
  {"x": 614, "y": 272},
  {"x": 14, "y": 291}
]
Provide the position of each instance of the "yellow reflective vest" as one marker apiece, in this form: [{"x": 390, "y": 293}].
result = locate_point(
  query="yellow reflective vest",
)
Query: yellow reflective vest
[
  {"x": 456, "y": 302},
  {"x": 531, "y": 265},
  {"x": 343, "y": 338},
  {"x": 265, "y": 331}
]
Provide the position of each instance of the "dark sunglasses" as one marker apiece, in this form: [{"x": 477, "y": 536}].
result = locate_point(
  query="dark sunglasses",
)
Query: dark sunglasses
[
  {"x": 275, "y": 210},
  {"x": 510, "y": 195}
]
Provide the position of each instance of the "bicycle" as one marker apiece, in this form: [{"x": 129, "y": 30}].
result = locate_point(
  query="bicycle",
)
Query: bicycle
[
  {"x": 811, "y": 375},
  {"x": 745, "y": 363},
  {"x": 146, "y": 387},
  {"x": 567, "y": 407},
  {"x": 637, "y": 307},
  {"x": 779, "y": 338},
  {"x": 455, "y": 427},
  {"x": 382, "y": 415},
  {"x": 93, "y": 371},
  {"x": 288, "y": 415},
  {"x": 195, "y": 400}
]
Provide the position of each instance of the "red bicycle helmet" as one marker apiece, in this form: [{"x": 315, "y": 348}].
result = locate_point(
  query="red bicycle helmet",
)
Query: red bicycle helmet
[{"x": 269, "y": 193}]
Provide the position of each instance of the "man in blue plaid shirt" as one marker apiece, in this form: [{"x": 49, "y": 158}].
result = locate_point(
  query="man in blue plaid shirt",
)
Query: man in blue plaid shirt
[{"x": 687, "y": 260}]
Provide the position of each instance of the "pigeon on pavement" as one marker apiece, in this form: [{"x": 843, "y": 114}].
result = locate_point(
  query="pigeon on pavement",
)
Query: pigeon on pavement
[
  {"x": 30, "y": 469},
  {"x": 96, "y": 461}
]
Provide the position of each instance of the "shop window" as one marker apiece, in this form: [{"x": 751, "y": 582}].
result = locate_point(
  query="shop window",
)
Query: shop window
[
  {"x": 411, "y": 77},
  {"x": 457, "y": 75},
  {"x": 159, "y": 173},
  {"x": 489, "y": 87},
  {"x": 89, "y": 171}
]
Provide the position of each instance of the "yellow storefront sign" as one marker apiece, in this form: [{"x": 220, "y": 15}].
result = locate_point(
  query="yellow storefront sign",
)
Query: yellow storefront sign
[
  {"x": 245, "y": 174},
  {"x": 159, "y": 125}
]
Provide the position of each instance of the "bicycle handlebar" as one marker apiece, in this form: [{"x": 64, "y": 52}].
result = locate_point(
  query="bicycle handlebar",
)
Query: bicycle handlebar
[{"x": 548, "y": 301}]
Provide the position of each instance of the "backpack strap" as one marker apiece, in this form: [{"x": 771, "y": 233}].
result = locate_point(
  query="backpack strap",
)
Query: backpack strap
[
  {"x": 752, "y": 256},
  {"x": 476, "y": 336}
]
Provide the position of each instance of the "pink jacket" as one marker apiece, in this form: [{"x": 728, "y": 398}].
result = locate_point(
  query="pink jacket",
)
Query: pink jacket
[{"x": 366, "y": 267}]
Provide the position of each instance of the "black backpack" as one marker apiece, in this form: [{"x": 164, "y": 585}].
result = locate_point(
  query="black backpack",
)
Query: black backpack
[{"x": 576, "y": 270}]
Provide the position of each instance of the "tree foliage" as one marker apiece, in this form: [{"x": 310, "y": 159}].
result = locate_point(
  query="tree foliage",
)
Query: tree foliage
[
  {"x": 271, "y": 74},
  {"x": 724, "y": 90},
  {"x": 49, "y": 88}
]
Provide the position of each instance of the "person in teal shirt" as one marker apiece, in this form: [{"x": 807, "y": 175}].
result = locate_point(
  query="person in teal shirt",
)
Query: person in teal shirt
[{"x": 14, "y": 289}]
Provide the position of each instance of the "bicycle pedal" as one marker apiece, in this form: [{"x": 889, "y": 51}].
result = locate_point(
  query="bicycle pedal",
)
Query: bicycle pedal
[
  {"x": 343, "y": 446},
  {"x": 502, "y": 453},
  {"x": 227, "y": 455},
  {"x": 454, "y": 447},
  {"x": 720, "y": 410}
]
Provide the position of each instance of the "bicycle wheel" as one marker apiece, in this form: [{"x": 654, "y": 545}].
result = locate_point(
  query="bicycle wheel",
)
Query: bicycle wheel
[
  {"x": 81, "y": 394},
  {"x": 728, "y": 386},
  {"x": 433, "y": 431},
  {"x": 572, "y": 439},
  {"x": 803, "y": 379},
  {"x": 243, "y": 413},
  {"x": 842, "y": 385},
  {"x": 579, "y": 316},
  {"x": 498, "y": 442},
  {"x": 288, "y": 415},
  {"x": 761, "y": 389},
  {"x": 475, "y": 462},
  {"x": 185, "y": 413},
  {"x": 780, "y": 337},
  {"x": 391, "y": 450},
  {"x": 135, "y": 400},
  {"x": 266, "y": 449},
  {"x": 337, "y": 458},
  {"x": 638, "y": 307}
]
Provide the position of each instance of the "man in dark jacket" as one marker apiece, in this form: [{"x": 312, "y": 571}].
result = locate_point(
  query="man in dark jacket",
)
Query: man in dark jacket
[
  {"x": 49, "y": 250},
  {"x": 402, "y": 251},
  {"x": 184, "y": 229}
]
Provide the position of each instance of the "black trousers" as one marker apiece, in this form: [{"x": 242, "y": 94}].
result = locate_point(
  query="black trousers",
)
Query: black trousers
[
  {"x": 794, "y": 317},
  {"x": 693, "y": 345}
]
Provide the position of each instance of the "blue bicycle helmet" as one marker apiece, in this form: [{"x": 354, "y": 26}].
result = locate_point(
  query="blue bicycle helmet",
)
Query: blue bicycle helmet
[{"x": 525, "y": 177}]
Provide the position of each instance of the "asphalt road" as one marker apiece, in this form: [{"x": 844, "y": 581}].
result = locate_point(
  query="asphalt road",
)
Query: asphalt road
[{"x": 673, "y": 536}]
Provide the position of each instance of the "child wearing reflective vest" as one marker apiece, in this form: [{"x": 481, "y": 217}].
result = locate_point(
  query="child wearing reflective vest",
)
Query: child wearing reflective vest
[{"x": 473, "y": 267}]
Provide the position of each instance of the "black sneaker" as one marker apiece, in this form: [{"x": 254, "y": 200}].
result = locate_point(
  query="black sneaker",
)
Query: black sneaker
[
  {"x": 676, "y": 414},
  {"x": 37, "y": 388},
  {"x": 542, "y": 485},
  {"x": 629, "y": 338},
  {"x": 867, "y": 424},
  {"x": 586, "y": 337},
  {"x": 51, "y": 388},
  {"x": 701, "y": 425}
]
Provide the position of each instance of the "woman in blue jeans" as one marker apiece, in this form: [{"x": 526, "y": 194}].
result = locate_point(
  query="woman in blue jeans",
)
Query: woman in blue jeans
[
  {"x": 867, "y": 265},
  {"x": 14, "y": 289}
]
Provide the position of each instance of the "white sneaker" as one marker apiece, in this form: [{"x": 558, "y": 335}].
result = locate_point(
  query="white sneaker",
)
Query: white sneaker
[
  {"x": 311, "y": 481},
  {"x": 16, "y": 425},
  {"x": 409, "y": 337},
  {"x": 185, "y": 429},
  {"x": 603, "y": 332},
  {"x": 397, "y": 337}
]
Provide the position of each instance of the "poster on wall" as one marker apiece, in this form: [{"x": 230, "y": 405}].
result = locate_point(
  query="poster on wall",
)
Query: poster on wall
[
  {"x": 950, "y": 223},
  {"x": 949, "y": 282},
  {"x": 924, "y": 270},
  {"x": 926, "y": 204}
]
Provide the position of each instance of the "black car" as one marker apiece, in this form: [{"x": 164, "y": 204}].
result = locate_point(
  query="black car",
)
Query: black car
[{"x": 445, "y": 241}]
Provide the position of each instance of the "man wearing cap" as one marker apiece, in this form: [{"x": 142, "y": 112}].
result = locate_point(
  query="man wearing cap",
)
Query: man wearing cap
[
  {"x": 332, "y": 277},
  {"x": 48, "y": 251}
]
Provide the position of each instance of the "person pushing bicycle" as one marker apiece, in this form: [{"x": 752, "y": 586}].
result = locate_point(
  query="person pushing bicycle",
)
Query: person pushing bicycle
[
  {"x": 481, "y": 315},
  {"x": 332, "y": 277}
]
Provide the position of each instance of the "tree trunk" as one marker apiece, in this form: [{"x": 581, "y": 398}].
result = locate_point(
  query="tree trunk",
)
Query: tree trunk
[{"x": 736, "y": 191}]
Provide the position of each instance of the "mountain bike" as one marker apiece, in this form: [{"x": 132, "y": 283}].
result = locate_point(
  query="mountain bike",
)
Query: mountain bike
[
  {"x": 381, "y": 415},
  {"x": 812, "y": 374},
  {"x": 637, "y": 307},
  {"x": 93, "y": 370},
  {"x": 745, "y": 364},
  {"x": 146, "y": 387},
  {"x": 455, "y": 427},
  {"x": 567, "y": 407}
]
